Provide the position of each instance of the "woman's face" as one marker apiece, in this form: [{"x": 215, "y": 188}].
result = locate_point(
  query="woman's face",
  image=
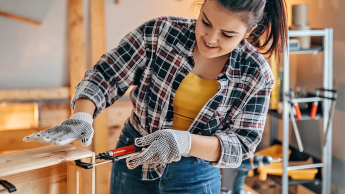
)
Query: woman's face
[{"x": 218, "y": 31}]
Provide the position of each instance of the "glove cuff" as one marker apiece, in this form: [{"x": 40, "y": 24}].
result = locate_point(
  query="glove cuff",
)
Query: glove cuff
[
  {"x": 184, "y": 141},
  {"x": 82, "y": 116}
]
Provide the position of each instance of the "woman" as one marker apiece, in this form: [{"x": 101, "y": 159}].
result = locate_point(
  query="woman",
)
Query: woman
[{"x": 201, "y": 96}]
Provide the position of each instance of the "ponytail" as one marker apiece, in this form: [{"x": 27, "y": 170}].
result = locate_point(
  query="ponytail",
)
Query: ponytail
[{"x": 271, "y": 31}]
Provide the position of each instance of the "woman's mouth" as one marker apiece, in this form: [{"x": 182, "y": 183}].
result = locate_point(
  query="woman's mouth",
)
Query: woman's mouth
[{"x": 209, "y": 46}]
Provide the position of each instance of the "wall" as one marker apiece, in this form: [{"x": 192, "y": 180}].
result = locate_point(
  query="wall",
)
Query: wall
[{"x": 37, "y": 56}]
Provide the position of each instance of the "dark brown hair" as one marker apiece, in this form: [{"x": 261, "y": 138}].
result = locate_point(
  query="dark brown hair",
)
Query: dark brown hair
[{"x": 270, "y": 35}]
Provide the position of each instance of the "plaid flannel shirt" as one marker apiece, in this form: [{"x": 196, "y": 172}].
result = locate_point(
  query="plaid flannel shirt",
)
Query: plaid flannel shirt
[{"x": 155, "y": 58}]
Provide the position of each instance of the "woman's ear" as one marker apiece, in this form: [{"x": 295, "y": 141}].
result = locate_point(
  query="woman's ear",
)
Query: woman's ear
[{"x": 251, "y": 30}]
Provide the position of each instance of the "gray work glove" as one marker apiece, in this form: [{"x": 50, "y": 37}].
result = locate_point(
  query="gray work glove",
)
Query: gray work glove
[
  {"x": 166, "y": 146},
  {"x": 78, "y": 127}
]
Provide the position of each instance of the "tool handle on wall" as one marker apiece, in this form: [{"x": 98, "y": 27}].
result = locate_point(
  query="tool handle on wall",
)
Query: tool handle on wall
[
  {"x": 313, "y": 110},
  {"x": 298, "y": 111},
  {"x": 9, "y": 187}
]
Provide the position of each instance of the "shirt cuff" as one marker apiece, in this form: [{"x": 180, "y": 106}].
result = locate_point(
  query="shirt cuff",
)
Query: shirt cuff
[{"x": 231, "y": 151}]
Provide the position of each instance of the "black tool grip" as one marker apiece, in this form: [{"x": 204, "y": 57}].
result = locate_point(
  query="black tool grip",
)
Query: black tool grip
[
  {"x": 11, "y": 188},
  {"x": 83, "y": 164}
]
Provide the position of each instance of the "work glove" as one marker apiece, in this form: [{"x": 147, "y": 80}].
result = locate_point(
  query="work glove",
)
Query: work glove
[
  {"x": 78, "y": 127},
  {"x": 165, "y": 146}
]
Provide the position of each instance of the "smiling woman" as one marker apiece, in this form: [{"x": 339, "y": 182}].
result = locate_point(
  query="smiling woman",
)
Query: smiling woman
[{"x": 200, "y": 99}]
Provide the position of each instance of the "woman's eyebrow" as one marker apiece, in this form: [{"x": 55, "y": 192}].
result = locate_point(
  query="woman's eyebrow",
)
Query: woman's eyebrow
[{"x": 222, "y": 30}]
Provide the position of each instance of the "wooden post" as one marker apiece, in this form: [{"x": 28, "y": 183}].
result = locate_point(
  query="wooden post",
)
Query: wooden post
[
  {"x": 76, "y": 43},
  {"x": 100, "y": 141},
  {"x": 76, "y": 46}
]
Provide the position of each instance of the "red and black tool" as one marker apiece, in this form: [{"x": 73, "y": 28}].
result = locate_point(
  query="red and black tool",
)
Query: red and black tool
[{"x": 111, "y": 156}]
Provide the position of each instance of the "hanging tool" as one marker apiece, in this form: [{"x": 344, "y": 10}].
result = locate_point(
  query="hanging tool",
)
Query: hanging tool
[
  {"x": 8, "y": 187},
  {"x": 296, "y": 106},
  {"x": 298, "y": 137},
  {"x": 111, "y": 156},
  {"x": 314, "y": 106},
  {"x": 246, "y": 166}
]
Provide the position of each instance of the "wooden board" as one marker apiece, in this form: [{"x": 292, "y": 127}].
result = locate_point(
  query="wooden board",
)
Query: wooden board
[
  {"x": 14, "y": 116},
  {"x": 35, "y": 94},
  {"x": 36, "y": 158},
  {"x": 43, "y": 180}
]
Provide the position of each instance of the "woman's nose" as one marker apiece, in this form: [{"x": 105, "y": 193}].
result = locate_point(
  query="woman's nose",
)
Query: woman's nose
[{"x": 211, "y": 37}]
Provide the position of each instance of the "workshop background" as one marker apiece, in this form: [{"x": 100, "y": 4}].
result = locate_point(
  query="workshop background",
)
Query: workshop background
[{"x": 39, "y": 63}]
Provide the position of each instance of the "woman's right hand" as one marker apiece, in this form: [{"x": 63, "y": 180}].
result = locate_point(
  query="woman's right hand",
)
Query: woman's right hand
[{"x": 78, "y": 127}]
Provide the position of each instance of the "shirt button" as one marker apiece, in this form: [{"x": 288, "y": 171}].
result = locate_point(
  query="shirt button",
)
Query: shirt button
[{"x": 185, "y": 70}]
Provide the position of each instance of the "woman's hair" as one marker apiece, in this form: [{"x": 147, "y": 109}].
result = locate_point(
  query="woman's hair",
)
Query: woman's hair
[{"x": 270, "y": 18}]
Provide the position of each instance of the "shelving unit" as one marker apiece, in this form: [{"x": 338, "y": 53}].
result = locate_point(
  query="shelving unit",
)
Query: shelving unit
[{"x": 327, "y": 50}]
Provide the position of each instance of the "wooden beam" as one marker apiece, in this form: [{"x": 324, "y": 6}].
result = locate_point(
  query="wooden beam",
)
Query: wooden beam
[
  {"x": 76, "y": 43},
  {"x": 20, "y": 18},
  {"x": 101, "y": 126},
  {"x": 35, "y": 94}
]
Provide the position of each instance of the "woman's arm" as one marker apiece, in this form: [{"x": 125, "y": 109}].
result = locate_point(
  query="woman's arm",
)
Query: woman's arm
[
  {"x": 205, "y": 147},
  {"x": 84, "y": 105}
]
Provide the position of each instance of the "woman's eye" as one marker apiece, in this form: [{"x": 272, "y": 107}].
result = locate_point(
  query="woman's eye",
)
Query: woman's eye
[
  {"x": 227, "y": 36},
  {"x": 206, "y": 24}
]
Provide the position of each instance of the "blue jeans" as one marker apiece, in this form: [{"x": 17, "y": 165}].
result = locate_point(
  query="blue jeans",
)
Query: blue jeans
[{"x": 189, "y": 175}]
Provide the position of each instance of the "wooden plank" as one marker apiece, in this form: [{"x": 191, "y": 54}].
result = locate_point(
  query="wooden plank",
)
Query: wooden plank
[
  {"x": 20, "y": 18},
  {"x": 77, "y": 57},
  {"x": 35, "y": 94},
  {"x": 101, "y": 126},
  {"x": 13, "y": 139},
  {"x": 72, "y": 178},
  {"x": 31, "y": 159},
  {"x": 44, "y": 180},
  {"x": 87, "y": 178}
]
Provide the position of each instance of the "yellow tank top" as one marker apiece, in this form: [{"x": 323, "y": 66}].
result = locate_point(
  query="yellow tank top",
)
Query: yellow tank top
[{"x": 191, "y": 96}]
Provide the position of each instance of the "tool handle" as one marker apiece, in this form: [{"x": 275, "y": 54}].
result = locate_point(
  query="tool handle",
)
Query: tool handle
[
  {"x": 298, "y": 112},
  {"x": 122, "y": 151},
  {"x": 313, "y": 110},
  {"x": 11, "y": 188}
]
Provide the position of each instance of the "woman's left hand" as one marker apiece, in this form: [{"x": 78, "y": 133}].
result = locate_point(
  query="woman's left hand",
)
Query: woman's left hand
[{"x": 165, "y": 146}]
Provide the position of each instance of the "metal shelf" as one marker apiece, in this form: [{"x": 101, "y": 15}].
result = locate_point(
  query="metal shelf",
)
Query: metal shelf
[
  {"x": 305, "y": 115},
  {"x": 327, "y": 50},
  {"x": 313, "y": 50},
  {"x": 278, "y": 180}
]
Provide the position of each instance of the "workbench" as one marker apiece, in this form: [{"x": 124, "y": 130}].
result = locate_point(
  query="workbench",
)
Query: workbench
[{"x": 48, "y": 170}]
